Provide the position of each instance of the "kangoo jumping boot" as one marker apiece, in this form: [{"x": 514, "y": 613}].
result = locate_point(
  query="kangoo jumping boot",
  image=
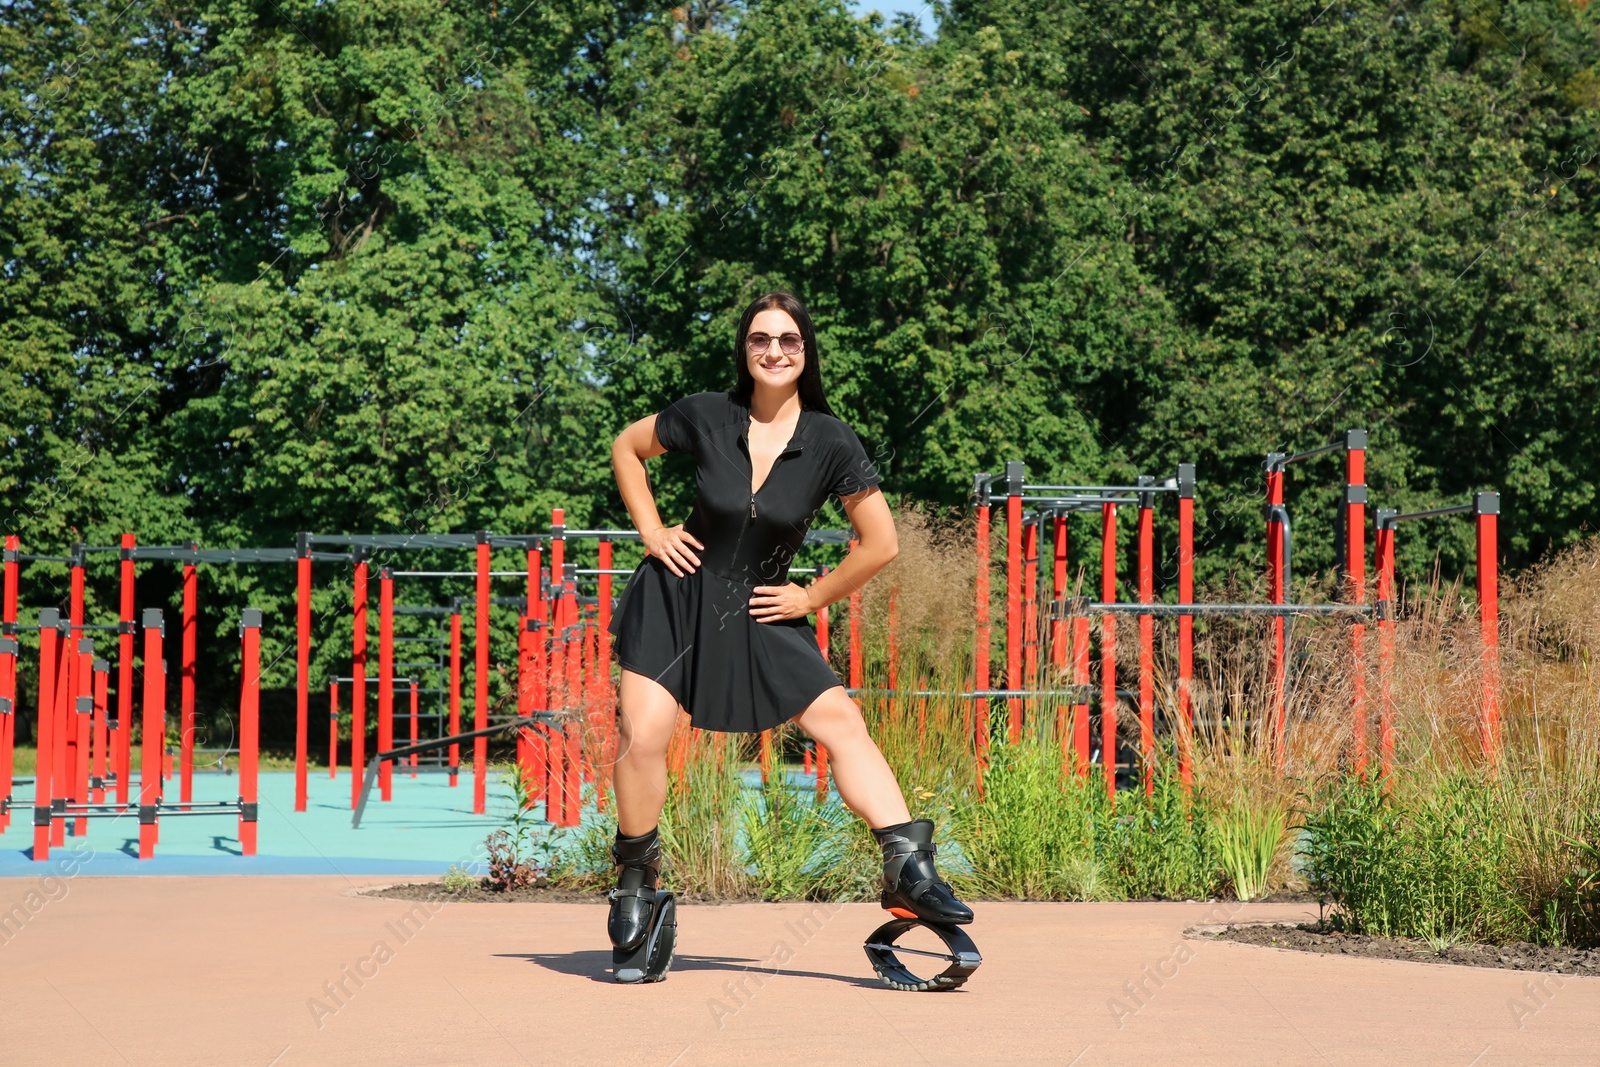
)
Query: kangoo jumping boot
[
  {"x": 912, "y": 887},
  {"x": 634, "y": 898},
  {"x": 643, "y": 923}
]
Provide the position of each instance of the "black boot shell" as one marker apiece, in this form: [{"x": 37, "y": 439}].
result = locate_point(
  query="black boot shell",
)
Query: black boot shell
[
  {"x": 911, "y": 885},
  {"x": 633, "y": 899}
]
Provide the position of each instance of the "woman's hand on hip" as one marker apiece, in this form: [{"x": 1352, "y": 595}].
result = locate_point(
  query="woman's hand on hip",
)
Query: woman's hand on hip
[
  {"x": 773, "y": 603},
  {"x": 671, "y": 545}
]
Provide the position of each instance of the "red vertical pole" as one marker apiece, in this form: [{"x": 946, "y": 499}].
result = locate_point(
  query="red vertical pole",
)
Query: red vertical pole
[
  {"x": 358, "y": 683},
  {"x": 979, "y": 723},
  {"x": 1108, "y": 647},
  {"x": 302, "y": 627},
  {"x": 1185, "y": 624},
  {"x": 45, "y": 732},
  {"x": 333, "y": 729},
  {"x": 574, "y": 777},
  {"x": 125, "y": 632},
  {"x": 558, "y": 618},
  {"x": 65, "y": 732},
  {"x": 1276, "y": 593},
  {"x": 525, "y": 638},
  {"x": 385, "y": 680},
  {"x": 539, "y": 624},
  {"x": 455, "y": 694},
  {"x": 856, "y": 667},
  {"x": 1384, "y": 549},
  {"x": 82, "y": 723},
  {"x": 1355, "y": 568},
  {"x": 249, "y": 729},
  {"x": 1030, "y": 614},
  {"x": 608, "y": 694},
  {"x": 857, "y": 677},
  {"x": 102, "y": 687},
  {"x": 10, "y": 649},
  {"x": 766, "y": 756},
  {"x": 72, "y": 750},
  {"x": 413, "y": 725},
  {"x": 1014, "y": 597},
  {"x": 480, "y": 681},
  {"x": 1058, "y": 587},
  {"x": 558, "y": 696},
  {"x": 186, "y": 679},
  {"x": 1147, "y": 639},
  {"x": 572, "y": 631},
  {"x": 1486, "y": 509},
  {"x": 154, "y": 731},
  {"x": 1080, "y": 679},
  {"x": 8, "y": 718}
]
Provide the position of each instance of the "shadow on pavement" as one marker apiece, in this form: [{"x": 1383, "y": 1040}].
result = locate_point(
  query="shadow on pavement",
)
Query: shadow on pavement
[{"x": 596, "y": 966}]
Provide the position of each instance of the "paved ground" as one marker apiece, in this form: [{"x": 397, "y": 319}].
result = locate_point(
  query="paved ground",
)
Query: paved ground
[{"x": 299, "y": 970}]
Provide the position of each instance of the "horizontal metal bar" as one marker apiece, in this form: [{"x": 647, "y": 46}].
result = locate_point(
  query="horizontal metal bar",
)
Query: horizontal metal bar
[
  {"x": 456, "y": 574},
  {"x": 601, "y": 570},
  {"x": 1158, "y": 487},
  {"x": 1079, "y": 691},
  {"x": 1454, "y": 509},
  {"x": 1329, "y": 447},
  {"x": 1074, "y": 501},
  {"x": 397, "y": 541},
  {"x": 1060, "y": 609},
  {"x": 613, "y": 535}
]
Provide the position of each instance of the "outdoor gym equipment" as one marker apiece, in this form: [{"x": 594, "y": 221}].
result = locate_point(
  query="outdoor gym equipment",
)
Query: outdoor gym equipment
[
  {"x": 72, "y": 710},
  {"x": 1072, "y": 617}
]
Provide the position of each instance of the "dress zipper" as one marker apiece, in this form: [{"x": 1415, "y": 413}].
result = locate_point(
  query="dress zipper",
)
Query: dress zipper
[{"x": 746, "y": 524}]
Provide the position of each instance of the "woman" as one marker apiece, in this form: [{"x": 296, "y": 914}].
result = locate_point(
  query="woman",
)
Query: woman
[{"x": 710, "y": 625}]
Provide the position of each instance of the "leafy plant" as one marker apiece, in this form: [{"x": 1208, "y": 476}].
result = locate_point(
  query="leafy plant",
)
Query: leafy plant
[
  {"x": 459, "y": 879},
  {"x": 1248, "y": 837}
]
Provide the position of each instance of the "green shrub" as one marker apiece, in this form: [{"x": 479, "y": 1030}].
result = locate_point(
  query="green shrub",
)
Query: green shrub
[
  {"x": 1034, "y": 835},
  {"x": 1427, "y": 863},
  {"x": 1163, "y": 845},
  {"x": 795, "y": 844},
  {"x": 1248, "y": 836}
]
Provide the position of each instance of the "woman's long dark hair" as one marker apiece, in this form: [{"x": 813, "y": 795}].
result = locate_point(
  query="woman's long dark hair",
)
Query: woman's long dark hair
[{"x": 811, "y": 396}]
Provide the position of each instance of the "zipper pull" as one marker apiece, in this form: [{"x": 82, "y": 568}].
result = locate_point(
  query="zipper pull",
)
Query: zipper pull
[{"x": 752, "y": 505}]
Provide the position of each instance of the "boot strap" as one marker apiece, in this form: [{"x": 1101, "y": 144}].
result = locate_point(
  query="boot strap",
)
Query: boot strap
[
  {"x": 640, "y": 893},
  {"x": 922, "y": 886},
  {"x": 904, "y": 847},
  {"x": 651, "y": 856}
]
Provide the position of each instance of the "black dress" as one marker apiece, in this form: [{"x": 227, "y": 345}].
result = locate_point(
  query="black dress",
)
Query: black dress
[{"x": 695, "y": 635}]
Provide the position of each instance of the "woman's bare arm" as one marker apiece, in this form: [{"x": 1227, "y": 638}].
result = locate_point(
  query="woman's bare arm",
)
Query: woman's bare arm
[
  {"x": 876, "y": 545},
  {"x": 635, "y": 444}
]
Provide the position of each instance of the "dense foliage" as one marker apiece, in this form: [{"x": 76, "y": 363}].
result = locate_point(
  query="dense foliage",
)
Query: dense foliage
[{"x": 393, "y": 265}]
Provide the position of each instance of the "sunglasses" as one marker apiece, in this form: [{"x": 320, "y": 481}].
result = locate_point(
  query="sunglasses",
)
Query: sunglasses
[{"x": 790, "y": 344}]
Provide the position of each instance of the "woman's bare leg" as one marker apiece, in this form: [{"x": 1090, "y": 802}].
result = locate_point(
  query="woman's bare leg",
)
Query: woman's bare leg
[
  {"x": 649, "y": 713},
  {"x": 862, "y": 775}
]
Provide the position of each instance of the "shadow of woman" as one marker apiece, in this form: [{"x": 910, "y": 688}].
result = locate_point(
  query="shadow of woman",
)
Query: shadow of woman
[{"x": 595, "y": 964}]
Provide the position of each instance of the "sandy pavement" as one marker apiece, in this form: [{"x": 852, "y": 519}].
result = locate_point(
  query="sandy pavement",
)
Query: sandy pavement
[{"x": 301, "y": 970}]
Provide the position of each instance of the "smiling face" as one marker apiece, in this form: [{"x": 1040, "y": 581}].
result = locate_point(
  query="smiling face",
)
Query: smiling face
[{"x": 772, "y": 367}]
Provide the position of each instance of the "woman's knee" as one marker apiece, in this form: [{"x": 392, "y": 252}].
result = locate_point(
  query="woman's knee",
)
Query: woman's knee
[
  {"x": 834, "y": 718},
  {"x": 649, "y": 714}
]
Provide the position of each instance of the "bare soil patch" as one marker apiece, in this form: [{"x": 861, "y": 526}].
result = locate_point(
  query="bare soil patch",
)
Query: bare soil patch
[{"x": 1319, "y": 937}]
